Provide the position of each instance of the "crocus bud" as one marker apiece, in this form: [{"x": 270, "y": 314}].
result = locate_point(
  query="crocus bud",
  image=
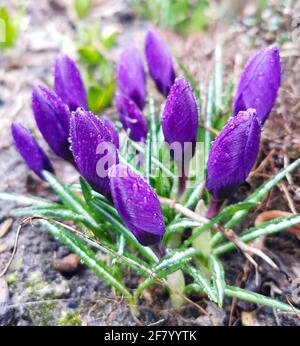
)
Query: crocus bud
[
  {"x": 52, "y": 117},
  {"x": 180, "y": 115},
  {"x": 233, "y": 154},
  {"x": 131, "y": 76},
  {"x": 30, "y": 150},
  {"x": 113, "y": 131},
  {"x": 131, "y": 118},
  {"x": 259, "y": 83},
  {"x": 92, "y": 148},
  {"x": 68, "y": 84},
  {"x": 159, "y": 62},
  {"x": 137, "y": 204}
]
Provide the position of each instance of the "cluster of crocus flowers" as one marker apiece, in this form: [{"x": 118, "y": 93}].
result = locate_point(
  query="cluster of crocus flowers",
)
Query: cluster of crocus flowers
[
  {"x": 52, "y": 113},
  {"x": 91, "y": 143},
  {"x": 131, "y": 80},
  {"x": 235, "y": 150}
]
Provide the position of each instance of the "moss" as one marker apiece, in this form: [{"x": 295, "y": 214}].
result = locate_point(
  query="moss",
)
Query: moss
[
  {"x": 42, "y": 314},
  {"x": 12, "y": 278},
  {"x": 69, "y": 319}
]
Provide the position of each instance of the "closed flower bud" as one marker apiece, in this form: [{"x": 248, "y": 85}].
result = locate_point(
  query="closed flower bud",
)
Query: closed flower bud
[
  {"x": 113, "y": 131},
  {"x": 180, "y": 115},
  {"x": 137, "y": 204},
  {"x": 259, "y": 83},
  {"x": 159, "y": 62},
  {"x": 131, "y": 76},
  {"x": 30, "y": 150},
  {"x": 131, "y": 118},
  {"x": 233, "y": 154},
  {"x": 52, "y": 117},
  {"x": 92, "y": 148},
  {"x": 68, "y": 84}
]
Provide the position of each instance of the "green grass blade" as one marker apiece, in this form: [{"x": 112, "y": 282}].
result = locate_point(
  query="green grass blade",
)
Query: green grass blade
[
  {"x": 228, "y": 211},
  {"x": 218, "y": 278},
  {"x": 203, "y": 282},
  {"x": 71, "y": 200},
  {"x": 240, "y": 293},
  {"x": 145, "y": 251},
  {"x": 25, "y": 200},
  {"x": 265, "y": 229},
  {"x": 86, "y": 255}
]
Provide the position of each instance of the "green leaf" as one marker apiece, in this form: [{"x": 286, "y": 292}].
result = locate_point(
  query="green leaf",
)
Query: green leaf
[
  {"x": 218, "y": 278},
  {"x": 73, "y": 202},
  {"x": 203, "y": 282},
  {"x": 175, "y": 258},
  {"x": 265, "y": 229},
  {"x": 190, "y": 78},
  {"x": 25, "y": 200},
  {"x": 240, "y": 293},
  {"x": 8, "y": 29},
  {"x": 228, "y": 211},
  {"x": 86, "y": 255},
  {"x": 90, "y": 54},
  {"x": 145, "y": 251},
  {"x": 86, "y": 189},
  {"x": 248, "y": 296},
  {"x": 99, "y": 97},
  {"x": 82, "y": 7},
  {"x": 63, "y": 214},
  {"x": 256, "y": 197}
]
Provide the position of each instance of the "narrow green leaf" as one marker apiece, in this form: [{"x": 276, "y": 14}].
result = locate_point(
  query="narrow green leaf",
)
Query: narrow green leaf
[
  {"x": 25, "y": 200},
  {"x": 203, "y": 282},
  {"x": 218, "y": 278},
  {"x": 86, "y": 189},
  {"x": 87, "y": 256},
  {"x": 226, "y": 212},
  {"x": 70, "y": 199},
  {"x": 267, "y": 228},
  {"x": 240, "y": 293},
  {"x": 145, "y": 251},
  {"x": 175, "y": 258},
  {"x": 63, "y": 214}
]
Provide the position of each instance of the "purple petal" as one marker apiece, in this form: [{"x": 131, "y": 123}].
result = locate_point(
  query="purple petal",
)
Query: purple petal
[
  {"x": 233, "y": 154},
  {"x": 259, "y": 83},
  {"x": 68, "y": 83},
  {"x": 113, "y": 131},
  {"x": 137, "y": 204},
  {"x": 131, "y": 118},
  {"x": 30, "y": 150},
  {"x": 131, "y": 76},
  {"x": 180, "y": 115},
  {"x": 52, "y": 117},
  {"x": 159, "y": 62},
  {"x": 92, "y": 148}
]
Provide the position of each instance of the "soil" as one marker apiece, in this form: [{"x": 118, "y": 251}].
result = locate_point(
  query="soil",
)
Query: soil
[{"x": 39, "y": 295}]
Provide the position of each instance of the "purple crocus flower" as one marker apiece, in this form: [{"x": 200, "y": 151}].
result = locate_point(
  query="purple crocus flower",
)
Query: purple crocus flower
[
  {"x": 113, "y": 131},
  {"x": 159, "y": 62},
  {"x": 180, "y": 115},
  {"x": 233, "y": 154},
  {"x": 259, "y": 83},
  {"x": 131, "y": 118},
  {"x": 137, "y": 204},
  {"x": 68, "y": 83},
  {"x": 52, "y": 117},
  {"x": 131, "y": 76},
  {"x": 93, "y": 150},
  {"x": 30, "y": 150}
]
